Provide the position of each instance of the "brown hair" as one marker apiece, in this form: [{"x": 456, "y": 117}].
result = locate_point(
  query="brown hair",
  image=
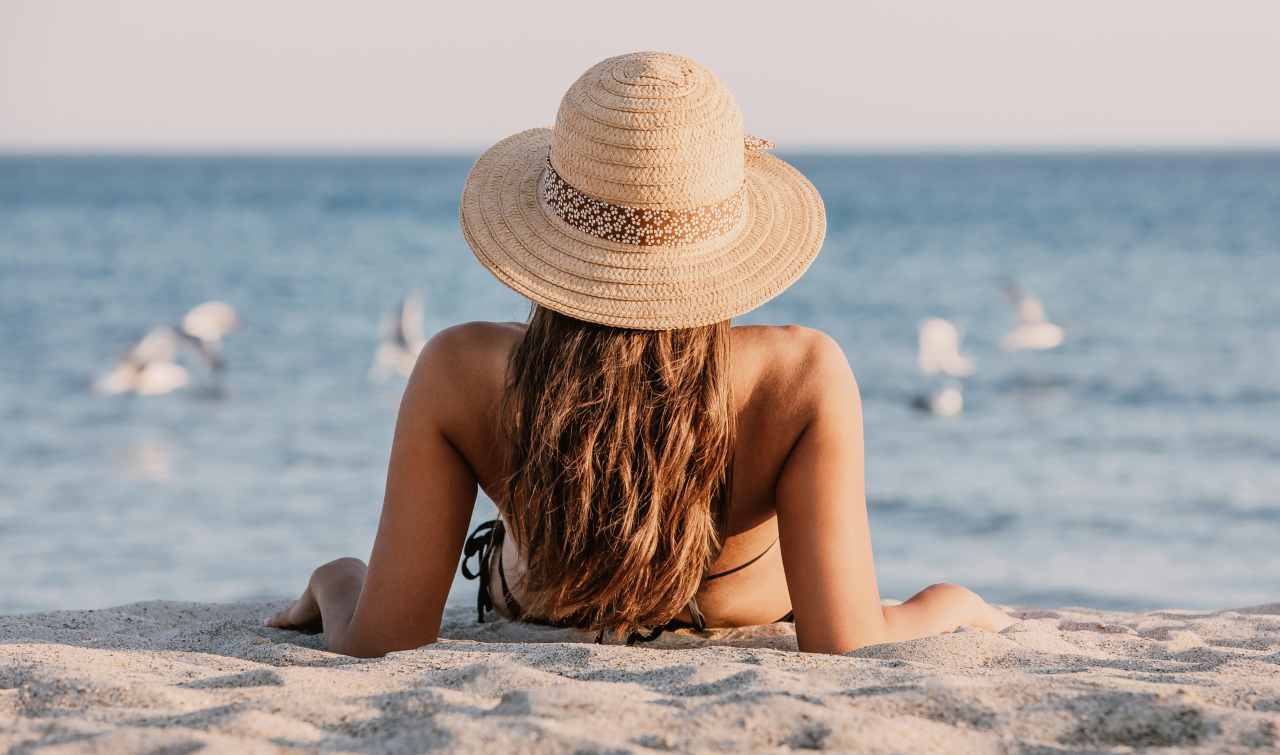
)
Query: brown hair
[{"x": 621, "y": 444}]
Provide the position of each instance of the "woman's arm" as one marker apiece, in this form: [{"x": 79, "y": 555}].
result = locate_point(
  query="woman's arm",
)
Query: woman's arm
[
  {"x": 826, "y": 540},
  {"x": 397, "y": 602}
]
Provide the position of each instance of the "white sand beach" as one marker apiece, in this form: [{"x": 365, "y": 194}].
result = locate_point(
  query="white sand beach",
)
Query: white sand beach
[{"x": 185, "y": 677}]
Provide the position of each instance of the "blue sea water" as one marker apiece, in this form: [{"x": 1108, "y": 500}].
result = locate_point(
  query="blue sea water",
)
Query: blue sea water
[{"x": 1136, "y": 466}]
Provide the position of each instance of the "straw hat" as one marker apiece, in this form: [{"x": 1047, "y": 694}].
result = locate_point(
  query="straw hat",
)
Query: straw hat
[{"x": 646, "y": 207}]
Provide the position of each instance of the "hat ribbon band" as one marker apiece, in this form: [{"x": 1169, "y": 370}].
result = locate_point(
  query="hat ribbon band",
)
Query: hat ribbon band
[{"x": 643, "y": 226}]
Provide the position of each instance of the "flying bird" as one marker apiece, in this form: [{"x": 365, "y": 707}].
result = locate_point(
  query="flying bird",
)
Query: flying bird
[
  {"x": 1034, "y": 331},
  {"x": 151, "y": 366},
  {"x": 938, "y": 353},
  {"x": 402, "y": 339},
  {"x": 939, "y": 350},
  {"x": 205, "y": 326}
]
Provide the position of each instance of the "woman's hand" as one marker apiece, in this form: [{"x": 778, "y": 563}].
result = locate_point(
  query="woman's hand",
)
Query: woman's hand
[
  {"x": 343, "y": 576},
  {"x": 302, "y": 614},
  {"x": 942, "y": 608},
  {"x": 993, "y": 619}
]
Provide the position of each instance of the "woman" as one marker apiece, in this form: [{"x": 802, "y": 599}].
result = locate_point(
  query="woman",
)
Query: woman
[{"x": 653, "y": 466}]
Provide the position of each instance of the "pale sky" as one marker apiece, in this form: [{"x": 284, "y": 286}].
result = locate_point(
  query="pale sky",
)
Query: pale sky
[{"x": 383, "y": 75}]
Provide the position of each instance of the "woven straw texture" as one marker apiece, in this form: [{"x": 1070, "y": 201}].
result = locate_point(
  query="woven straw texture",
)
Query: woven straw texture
[{"x": 647, "y": 131}]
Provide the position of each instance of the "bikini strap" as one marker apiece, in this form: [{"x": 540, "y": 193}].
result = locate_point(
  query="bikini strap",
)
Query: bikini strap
[
  {"x": 740, "y": 567},
  {"x": 485, "y": 542},
  {"x": 697, "y": 620}
]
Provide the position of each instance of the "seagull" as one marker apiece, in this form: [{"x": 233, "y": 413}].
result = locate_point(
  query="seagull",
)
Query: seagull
[
  {"x": 205, "y": 326},
  {"x": 939, "y": 354},
  {"x": 402, "y": 339},
  {"x": 1033, "y": 330},
  {"x": 939, "y": 350},
  {"x": 150, "y": 367},
  {"x": 947, "y": 401}
]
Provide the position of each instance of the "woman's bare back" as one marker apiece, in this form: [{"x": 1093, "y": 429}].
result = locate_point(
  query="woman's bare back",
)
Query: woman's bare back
[{"x": 768, "y": 374}]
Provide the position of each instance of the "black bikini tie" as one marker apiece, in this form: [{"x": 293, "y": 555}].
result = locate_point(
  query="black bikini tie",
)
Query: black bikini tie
[{"x": 480, "y": 545}]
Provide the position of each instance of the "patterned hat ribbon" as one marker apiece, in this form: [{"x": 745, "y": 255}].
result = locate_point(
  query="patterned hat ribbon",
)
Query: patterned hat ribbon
[{"x": 643, "y": 226}]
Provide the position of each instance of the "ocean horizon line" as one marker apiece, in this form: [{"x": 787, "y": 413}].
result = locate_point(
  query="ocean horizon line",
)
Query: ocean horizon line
[{"x": 990, "y": 150}]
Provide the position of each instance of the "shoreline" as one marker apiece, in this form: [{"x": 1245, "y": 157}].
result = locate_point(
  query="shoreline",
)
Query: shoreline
[{"x": 188, "y": 676}]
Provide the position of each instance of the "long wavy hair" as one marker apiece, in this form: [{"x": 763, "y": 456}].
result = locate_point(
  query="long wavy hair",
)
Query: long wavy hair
[{"x": 618, "y": 470}]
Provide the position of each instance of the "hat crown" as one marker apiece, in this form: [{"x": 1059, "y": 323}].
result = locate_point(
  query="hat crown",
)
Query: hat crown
[
  {"x": 650, "y": 69},
  {"x": 650, "y": 129}
]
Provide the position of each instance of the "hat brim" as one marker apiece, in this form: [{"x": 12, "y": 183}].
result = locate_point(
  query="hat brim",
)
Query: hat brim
[{"x": 515, "y": 236}]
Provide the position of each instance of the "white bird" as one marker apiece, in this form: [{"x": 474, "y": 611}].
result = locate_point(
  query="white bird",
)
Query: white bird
[
  {"x": 939, "y": 349},
  {"x": 150, "y": 367},
  {"x": 402, "y": 339},
  {"x": 947, "y": 401},
  {"x": 206, "y": 325},
  {"x": 1034, "y": 331},
  {"x": 939, "y": 354}
]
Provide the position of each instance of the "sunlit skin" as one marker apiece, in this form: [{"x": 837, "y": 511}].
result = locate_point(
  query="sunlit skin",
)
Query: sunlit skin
[{"x": 798, "y": 476}]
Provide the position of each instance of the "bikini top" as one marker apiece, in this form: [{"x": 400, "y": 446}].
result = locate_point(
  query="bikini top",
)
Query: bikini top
[{"x": 486, "y": 541}]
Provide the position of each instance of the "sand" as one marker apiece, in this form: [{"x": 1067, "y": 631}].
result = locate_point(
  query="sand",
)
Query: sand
[{"x": 165, "y": 677}]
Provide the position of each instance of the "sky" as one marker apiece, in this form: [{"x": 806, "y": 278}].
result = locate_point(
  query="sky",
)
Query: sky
[{"x": 281, "y": 75}]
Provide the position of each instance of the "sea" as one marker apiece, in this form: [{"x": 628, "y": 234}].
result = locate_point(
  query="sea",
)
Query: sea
[{"x": 1136, "y": 466}]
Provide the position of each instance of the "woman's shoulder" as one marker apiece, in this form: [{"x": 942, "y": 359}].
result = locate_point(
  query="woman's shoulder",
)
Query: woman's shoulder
[
  {"x": 777, "y": 356},
  {"x": 479, "y": 339},
  {"x": 791, "y": 356},
  {"x": 784, "y": 340},
  {"x": 471, "y": 347},
  {"x": 466, "y": 362},
  {"x": 787, "y": 375},
  {"x": 776, "y": 367}
]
